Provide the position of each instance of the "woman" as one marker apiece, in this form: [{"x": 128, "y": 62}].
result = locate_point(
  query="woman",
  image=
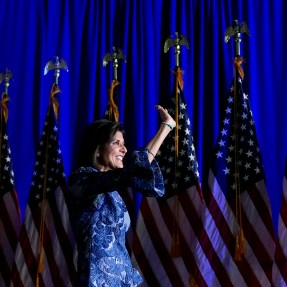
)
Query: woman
[{"x": 98, "y": 213}]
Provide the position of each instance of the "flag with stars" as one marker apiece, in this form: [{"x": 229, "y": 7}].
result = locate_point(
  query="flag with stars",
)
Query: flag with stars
[
  {"x": 240, "y": 236},
  {"x": 9, "y": 205},
  {"x": 280, "y": 267},
  {"x": 46, "y": 253},
  {"x": 166, "y": 248}
]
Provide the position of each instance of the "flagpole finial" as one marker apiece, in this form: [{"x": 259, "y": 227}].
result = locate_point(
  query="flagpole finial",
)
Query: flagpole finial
[
  {"x": 236, "y": 29},
  {"x": 56, "y": 65},
  {"x": 115, "y": 57},
  {"x": 177, "y": 42},
  {"x": 6, "y": 76}
]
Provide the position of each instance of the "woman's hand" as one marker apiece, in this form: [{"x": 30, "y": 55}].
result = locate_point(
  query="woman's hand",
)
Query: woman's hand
[
  {"x": 167, "y": 124},
  {"x": 166, "y": 117}
]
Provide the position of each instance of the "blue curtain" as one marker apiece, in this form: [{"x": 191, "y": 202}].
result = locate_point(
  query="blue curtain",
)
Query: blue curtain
[{"x": 82, "y": 32}]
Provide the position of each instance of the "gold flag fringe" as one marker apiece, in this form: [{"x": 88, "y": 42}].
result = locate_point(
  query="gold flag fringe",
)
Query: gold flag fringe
[
  {"x": 175, "y": 250},
  {"x": 113, "y": 109},
  {"x": 237, "y": 64},
  {"x": 242, "y": 243},
  {"x": 175, "y": 244},
  {"x": 191, "y": 281},
  {"x": 55, "y": 90},
  {"x": 4, "y": 107},
  {"x": 239, "y": 239},
  {"x": 237, "y": 255},
  {"x": 40, "y": 266}
]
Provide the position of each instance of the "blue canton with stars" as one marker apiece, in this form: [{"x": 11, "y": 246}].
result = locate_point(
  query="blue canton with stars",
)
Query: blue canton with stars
[
  {"x": 7, "y": 174},
  {"x": 237, "y": 145},
  {"x": 187, "y": 173},
  {"x": 48, "y": 170}
]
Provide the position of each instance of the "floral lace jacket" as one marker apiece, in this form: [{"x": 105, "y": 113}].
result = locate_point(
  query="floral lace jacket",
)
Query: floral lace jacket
[{"x": 100, "y": 219}]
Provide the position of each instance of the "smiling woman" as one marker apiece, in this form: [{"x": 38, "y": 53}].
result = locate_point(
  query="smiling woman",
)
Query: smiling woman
[{"x": 98, "y": 213}]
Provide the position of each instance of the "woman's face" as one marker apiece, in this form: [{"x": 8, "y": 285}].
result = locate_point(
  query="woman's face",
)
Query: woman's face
[{"x": 111, "y": 155}]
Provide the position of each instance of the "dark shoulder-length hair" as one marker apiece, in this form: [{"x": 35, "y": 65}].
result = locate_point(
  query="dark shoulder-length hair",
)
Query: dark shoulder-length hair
[{"x": 95, "y": 135}]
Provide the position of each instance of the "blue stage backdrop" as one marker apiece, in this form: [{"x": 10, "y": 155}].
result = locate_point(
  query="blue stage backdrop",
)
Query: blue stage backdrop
[{"x": 82, "y": 32}]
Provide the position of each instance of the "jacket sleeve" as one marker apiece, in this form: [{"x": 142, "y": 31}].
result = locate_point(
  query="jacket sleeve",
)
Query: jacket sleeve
[
  {"x": 88, "y": 182},
  {"x": 138, "y": 173},
  {"x": 146, "y": 177}
]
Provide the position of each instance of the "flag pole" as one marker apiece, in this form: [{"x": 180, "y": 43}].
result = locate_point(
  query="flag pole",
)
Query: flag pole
[
  {"x": 178, "y": 41},
  {"x": 236, "y": 30},
  {"x": 115, "y": 57},
  {"x": 57, "y": 66},
  {"x": 113, "y": 112}
]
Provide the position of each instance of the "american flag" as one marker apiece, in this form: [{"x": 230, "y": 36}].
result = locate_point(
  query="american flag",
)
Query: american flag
[
  {"x": 280, "y": 267},
  {"x": 10, "y": 220},
  {"x": 239, "y": 231},
  {"x": 46, "y": 252},
  {"x": 166, "y": 249}
]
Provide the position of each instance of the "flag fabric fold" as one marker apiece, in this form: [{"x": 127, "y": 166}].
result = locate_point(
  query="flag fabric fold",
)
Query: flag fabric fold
[
  {"x": 239, "y": 237},
  {"x": 280, "y": 266},
  {"x": 46, "y": 252},
  {"x": 165, "y": 247},
  {"x": 10, "y": 220}
]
